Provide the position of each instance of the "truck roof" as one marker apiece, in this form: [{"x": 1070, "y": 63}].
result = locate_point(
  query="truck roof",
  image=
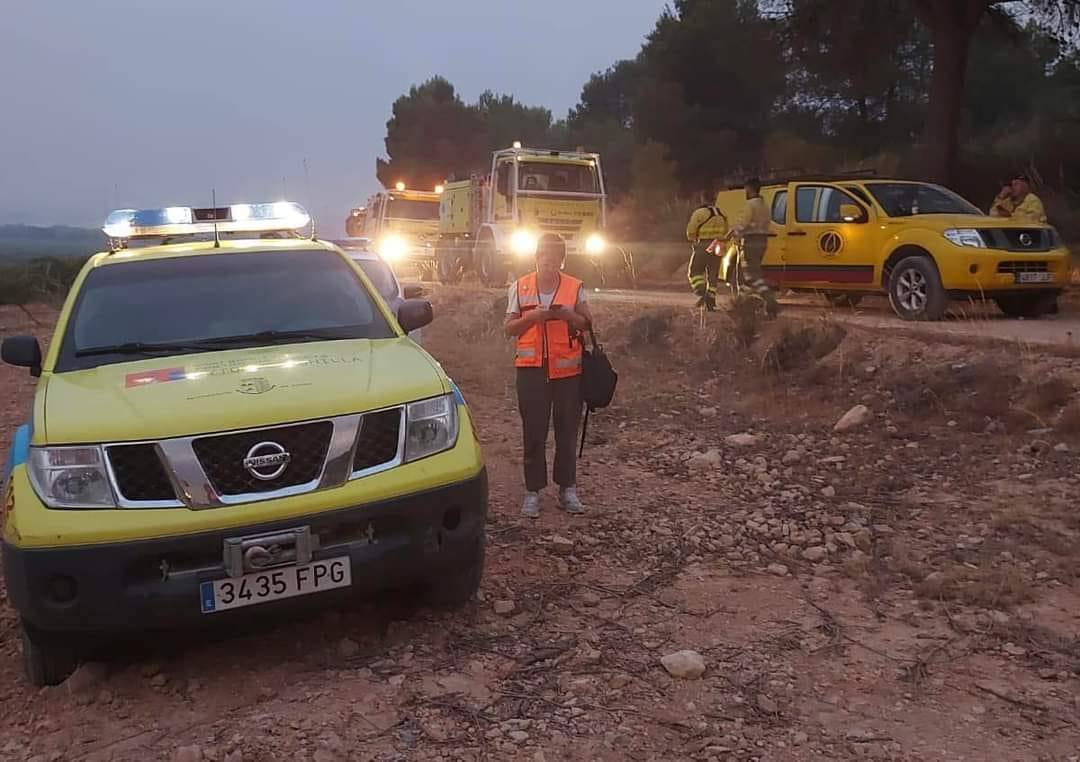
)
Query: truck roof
[{"x": 551, "y": 155}]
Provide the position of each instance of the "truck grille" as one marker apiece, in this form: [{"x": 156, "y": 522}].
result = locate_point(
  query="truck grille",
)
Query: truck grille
[
  {"x": 1024, "y": 267},
  {"x": 140, "y": 474},
  {"x": 222, "y": 457},
  {"x": 378, "y": 440},
  {"x": 1017, "y": 239}
]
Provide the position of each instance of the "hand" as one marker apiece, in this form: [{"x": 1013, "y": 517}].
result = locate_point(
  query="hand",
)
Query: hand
[{"x": 538, "y": 315}]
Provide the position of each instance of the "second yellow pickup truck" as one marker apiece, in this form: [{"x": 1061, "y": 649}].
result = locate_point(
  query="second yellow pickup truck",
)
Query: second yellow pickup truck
[{"x": 918, "y": 243}]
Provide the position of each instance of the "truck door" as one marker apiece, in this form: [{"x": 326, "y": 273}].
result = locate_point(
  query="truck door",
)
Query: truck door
[
  {"x": 825, "y": 239},
  {"x": 374, "y": 223},
  {"x": 503, "y": 201},
  {"x": 776, "y": 249}
]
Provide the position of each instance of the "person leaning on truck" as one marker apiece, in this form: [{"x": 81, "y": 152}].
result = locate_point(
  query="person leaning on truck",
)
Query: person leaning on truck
[
  {"x": 753, "y": 228},
  {"x": 546, "y": 312},
  {"x": 706, "y": 224},
  {"x": 1028, "y": 207}
]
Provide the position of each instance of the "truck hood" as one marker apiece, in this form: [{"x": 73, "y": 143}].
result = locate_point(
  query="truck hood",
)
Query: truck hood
[{"x": 246, "y": 388}]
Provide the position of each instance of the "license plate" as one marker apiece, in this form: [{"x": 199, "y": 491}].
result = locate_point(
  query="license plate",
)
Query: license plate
[
  {"x": 1033, "y": 277},
  {"x": 275, "y": 584}
]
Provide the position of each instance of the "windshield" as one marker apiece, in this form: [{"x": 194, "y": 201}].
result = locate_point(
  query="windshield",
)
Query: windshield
[
  {"x": 381, "y": 276},
  {"x": 411, "y": 209},
  {"x": 908, "y": 199},
  {"x": 557, "y": 178},
  {"x": 190, "y": 301}
]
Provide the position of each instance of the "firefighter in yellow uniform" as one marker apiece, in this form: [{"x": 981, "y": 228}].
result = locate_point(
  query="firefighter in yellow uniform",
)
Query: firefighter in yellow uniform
[
  {"x": 753, "y": 228},
  {"x": 1029, "y": 207},
  {"x": 706, "y": 224}
]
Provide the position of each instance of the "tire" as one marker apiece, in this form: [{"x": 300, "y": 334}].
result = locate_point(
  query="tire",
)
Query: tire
[
  {"x": 448, "y": 265},
  {"x": 915, "y": 290},
  {"x": 46, "y": 660},
  {"x": 454, "y": 589},
  {"x": 1027, "y": 305},
  {"x": 842, "y": 299},
  {"x": 492, "y": 271}
]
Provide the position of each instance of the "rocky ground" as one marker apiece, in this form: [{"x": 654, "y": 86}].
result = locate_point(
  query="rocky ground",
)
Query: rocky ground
[{"x": 805, "y": 541}]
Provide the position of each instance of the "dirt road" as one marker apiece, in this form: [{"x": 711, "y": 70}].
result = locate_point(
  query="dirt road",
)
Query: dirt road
[
  {"x": 906, "y": 589},
  {"x": 1061, "y": 331}
]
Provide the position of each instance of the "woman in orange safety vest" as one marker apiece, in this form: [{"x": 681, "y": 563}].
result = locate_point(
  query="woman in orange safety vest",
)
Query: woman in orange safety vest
[{"x": 546, "y": 312}]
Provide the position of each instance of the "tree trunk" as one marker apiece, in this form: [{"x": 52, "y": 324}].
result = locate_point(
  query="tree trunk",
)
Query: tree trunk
[
  {"x": 952, "y": 24},
  {"x": 943, "y": 112}
]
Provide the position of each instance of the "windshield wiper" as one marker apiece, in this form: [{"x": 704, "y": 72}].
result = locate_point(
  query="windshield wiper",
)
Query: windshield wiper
[
  {"x": 141, "y": 348},
  {"x": 315, "y": 334},
  {"x": 218, "y": 343}
]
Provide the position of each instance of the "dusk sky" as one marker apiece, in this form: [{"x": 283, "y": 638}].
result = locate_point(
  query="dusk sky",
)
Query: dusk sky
[{"x": 116, "y": 103}]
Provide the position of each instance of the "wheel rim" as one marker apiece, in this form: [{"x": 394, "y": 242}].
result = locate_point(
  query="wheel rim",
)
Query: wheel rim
[{"x": 911, "y": 290}]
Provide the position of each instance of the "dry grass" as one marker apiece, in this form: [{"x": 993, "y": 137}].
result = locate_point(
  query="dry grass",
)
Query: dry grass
[
  {"x": 653, "y": 329},
  {"x": 977, "y": 392},
  {"x": 1068, "y": 421},
  {"x": 1049, "y": 395},
  {"x": 987, "y": 586},
  {"x": 746, "y": 318},
  {"x": 801, "y": 345}
]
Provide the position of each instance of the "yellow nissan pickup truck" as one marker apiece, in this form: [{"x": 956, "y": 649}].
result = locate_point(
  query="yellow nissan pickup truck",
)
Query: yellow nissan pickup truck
[
  {"x": 227, "y": 423},
  {"x": 917, "y": 243}
]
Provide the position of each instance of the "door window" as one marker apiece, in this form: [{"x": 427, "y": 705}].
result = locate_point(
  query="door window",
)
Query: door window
[
  {"x": 818, "y": 203},
  {"x": 779, "y": 207}
]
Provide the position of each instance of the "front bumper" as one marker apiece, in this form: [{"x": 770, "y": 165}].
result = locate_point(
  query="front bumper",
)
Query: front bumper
[
  {"x": 979, "y": 271},
  {"x": 153, "y": 584}
]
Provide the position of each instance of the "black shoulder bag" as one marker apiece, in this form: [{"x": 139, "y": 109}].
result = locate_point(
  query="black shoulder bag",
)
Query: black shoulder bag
[{"x": 598, "y": 381}]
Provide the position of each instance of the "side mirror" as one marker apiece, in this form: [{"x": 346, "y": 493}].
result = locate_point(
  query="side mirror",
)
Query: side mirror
[
  {"x": 414, "y": 313},
  {"x": 412, "y": 290},
  {"x": 852, "y": 213},
  {"x": 22, "y": 352}
]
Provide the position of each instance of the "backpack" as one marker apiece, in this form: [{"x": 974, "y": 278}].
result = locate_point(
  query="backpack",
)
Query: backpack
[{"x": 598, "y": 381}]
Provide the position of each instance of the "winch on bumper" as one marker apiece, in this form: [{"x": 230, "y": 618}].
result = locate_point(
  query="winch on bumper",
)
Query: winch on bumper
[{"x": 433, "y": 538}]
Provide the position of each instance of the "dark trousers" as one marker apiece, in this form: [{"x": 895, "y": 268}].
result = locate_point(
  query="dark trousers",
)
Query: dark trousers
[
  {"x": 704, "y": 271},
  {"x": 539, "y": 400}
]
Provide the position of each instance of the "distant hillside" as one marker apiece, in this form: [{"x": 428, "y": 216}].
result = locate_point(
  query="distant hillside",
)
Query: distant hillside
[{"x": 30, "y": 241}]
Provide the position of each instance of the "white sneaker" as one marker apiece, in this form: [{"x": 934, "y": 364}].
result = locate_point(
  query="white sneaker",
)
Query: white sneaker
[
  {"x": 570, "y": 502},
  {"x": 531, "y": 506}
]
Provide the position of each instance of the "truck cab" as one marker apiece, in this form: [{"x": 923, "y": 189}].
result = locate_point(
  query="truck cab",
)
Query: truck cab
[
  {"x": 403, "y": 223},
  {"x": 493, "y": 221}
]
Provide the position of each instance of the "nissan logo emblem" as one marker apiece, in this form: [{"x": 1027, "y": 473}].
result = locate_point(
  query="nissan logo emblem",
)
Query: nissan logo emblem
[
  {"x": 267, "y": 461},
  {"x": 1025, "y": 239}
]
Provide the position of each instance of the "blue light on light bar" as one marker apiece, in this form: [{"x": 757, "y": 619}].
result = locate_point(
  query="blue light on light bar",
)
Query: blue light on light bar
[{"x": 184, "y": 220}]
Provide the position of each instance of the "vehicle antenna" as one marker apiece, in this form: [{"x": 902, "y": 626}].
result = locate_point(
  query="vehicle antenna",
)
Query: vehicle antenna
[{"x": 213, "y": 206}]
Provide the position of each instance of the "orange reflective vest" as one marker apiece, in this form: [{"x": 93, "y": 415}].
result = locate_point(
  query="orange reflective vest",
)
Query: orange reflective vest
[{"x": 552, "y": 338}]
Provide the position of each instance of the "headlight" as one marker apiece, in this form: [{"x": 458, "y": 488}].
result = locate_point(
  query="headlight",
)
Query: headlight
[
  {"x": 595, "y": 244},
  {"x": 71, "y": 477},
  {"x": 523, "y": 243},
  {"x": 431, "y": 426},
  {"x": 965, "y": 237},
  {"x": 393, "y": 247}
]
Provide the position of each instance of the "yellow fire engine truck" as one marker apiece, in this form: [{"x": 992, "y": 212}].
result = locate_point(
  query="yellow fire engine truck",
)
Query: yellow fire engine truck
[
  {"x": 491, "y": 223},
  {"x": 403, "y": 224}
]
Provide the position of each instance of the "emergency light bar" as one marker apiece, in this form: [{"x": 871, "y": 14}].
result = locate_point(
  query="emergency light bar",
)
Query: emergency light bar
[{"x": 186, "y": 220}]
